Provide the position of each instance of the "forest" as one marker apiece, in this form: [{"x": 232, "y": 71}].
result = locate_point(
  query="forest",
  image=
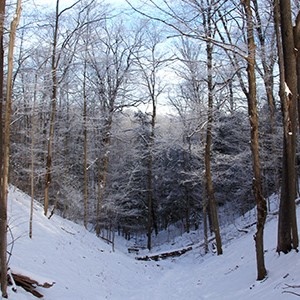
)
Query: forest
[{"x": 136, "y": 117}]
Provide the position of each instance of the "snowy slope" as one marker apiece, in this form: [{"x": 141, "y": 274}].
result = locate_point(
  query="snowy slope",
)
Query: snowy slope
[{"x": 85, "y": 268}]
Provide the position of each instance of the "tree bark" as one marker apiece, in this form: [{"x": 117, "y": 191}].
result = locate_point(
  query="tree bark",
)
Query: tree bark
[
  {"x": 204, "y": 213},
  {"x": 253, "y": 118},
  {"x": 3, "y": 216},
  {"x": 267, "y": 68},
  {"x": 103, "y": 164},
  {"x": 99, "y": 199},
  {"x": 3, "y": 206},
  {"x": 268, "y": 60},
  {"x": 208, "y": 144},
  {"x": 150, "y": 175},
  {"x": 85, "y": 170},
  {"x": 6, "y": 149},
  {"x": 297, "y": 46},
  {"x": 53, "y": 112},
  {"x": 287, "y": 224},
  {"x": 33, "y": 132}
]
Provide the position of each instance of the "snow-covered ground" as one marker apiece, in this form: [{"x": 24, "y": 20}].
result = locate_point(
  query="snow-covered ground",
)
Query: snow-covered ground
[{"x": 84, "y": 267}]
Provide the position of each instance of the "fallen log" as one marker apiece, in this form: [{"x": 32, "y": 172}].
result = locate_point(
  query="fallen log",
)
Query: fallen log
[
  {"x": 164, "y": 255},
  {"x": 29, "y": 284},
  {"x": 133, "y": 250}
]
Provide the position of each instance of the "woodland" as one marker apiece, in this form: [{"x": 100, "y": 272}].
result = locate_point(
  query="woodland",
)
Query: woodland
[{"x": 132, "y": 118}]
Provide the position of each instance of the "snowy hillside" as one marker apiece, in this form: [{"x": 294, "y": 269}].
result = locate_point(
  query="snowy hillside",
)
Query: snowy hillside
[{"x": 84, "y": 267}]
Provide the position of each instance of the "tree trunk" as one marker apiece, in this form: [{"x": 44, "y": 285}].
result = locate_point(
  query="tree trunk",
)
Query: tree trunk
[
  {"x": 287, "y": 224},
  {"x": 207, "y": 158},
  {"x": 6, "y": 148},
  {"x": 85, "y": 170},
  {"x": 204, "y": 212},
  {"x": 268, "y": 78},
  {"x": 33, "y": 132},
  {"x": 253, "y": 118},
  {"x": 297, "y": 46},
  {"x": 3, "y": 205},
  {"x": 187, "y": 158},
  {"x": 150, "y": 174},
  {"x": 99, "y": 199},
  {"x": 150, "y": 203},
  {"x": 187, "y": 210},
  {"x": 53, "y": 112},
  {"x": 267, "y": 69},
  {"x": 103, "y": 166},
  {"x": 3, "y": 208}
]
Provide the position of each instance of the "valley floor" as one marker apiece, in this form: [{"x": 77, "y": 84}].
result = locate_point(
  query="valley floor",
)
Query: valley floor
[{"x": 84, "y": 267}]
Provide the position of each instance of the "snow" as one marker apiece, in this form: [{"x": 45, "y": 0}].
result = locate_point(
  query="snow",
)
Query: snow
[
  {"x": 287, "y": 90},
  {"x": 84, "y": 267}
]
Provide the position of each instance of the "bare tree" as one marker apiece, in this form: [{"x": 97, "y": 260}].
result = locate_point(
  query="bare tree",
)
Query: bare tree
[
  {"x": 33, "y": 133},
  {"x": 56, "y": 55},
  {"x": 253, "y": 118},
  {"x": 185, "y": 25},
  {"x": 150, "y": 61},
  {"x": 296, "y": 33},
  {"x": 85, "y": 166},
  {"x": 287, "y": 224},
  {"x": 266, "y": 38},
  {"x": 189, "y": 104},
  {"x": 3, "y": 207},
  {"x": 110, "y": 57},
  {"x": 6, "y": 148},
  {"x": 207, "y": 15}
]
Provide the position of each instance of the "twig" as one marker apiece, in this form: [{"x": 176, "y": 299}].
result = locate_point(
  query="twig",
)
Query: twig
[
  {"x": 11, "y": 278},
  {"x": 12, "y": 244},
  {"x": 290, "y": 292},
  {"x": 67, "y": 231},
  {"x": 292, "y": 286}
]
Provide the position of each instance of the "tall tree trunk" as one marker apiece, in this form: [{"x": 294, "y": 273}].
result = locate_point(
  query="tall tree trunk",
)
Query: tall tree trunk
[
  {"x": 268, "y": 78},
  {"x": 297, "y": 46},
  {"x": 85, "y": 170},
  {"x": 3, "y": 208},
  {"x": 33, "y": 132},
  {"x": 209, "y": 183},
  {"x": 2, "y": 18},
  {"x": 187, "y": 210},
  {"x": 287, "y": 224},
  {"x": 103, "y": 163},
  {"x": 150, "y": 173},
  {"x": 99, "y": 199},
  {"x": 267, "y": 68},
  {"x": 253, "y": 118},
  {"x": 53, "y": 112},
  {"x": 231, "y": 97},
  {"x": 204, "y": 213},
  {"x": 6, "y": 148},
  {"x": 150, "y": 202},
  {"x": 187, "y": 158}
]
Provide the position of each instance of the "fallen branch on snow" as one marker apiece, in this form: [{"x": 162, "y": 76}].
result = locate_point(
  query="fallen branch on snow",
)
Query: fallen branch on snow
[
  {"x": 28, "y": 284},
  {"x": 288, "y": 286},
  {"x": 164, "y": 255},
  {"x": 67, "y": 231},
  {"x": 244, "y": 229},
  {"x": 290, "y": 292}
]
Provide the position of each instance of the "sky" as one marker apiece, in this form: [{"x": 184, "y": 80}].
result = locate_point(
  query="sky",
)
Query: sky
[{"x": 116, "y": 3}]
